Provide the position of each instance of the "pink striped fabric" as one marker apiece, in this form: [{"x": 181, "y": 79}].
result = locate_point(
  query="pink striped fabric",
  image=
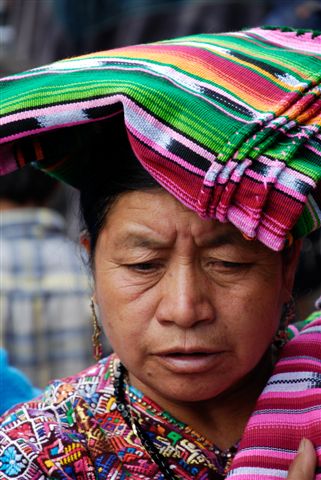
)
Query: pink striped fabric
[{"x": 288, "y": 410}]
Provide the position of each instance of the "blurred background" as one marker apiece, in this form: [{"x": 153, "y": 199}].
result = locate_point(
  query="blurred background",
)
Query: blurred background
[{"x": 35, "y": 32}]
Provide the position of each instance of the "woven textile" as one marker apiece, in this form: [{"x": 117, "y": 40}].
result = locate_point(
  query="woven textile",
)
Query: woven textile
[
  {"x": 288, "y": 410},
  {"x": 228, "y": 123},
  {"x": 94, "y": 440},
  {"x": 75, "y": 430}
]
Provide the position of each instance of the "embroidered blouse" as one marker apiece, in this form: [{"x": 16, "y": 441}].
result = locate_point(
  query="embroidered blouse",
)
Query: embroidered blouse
[{"x": 74, "y": 431}]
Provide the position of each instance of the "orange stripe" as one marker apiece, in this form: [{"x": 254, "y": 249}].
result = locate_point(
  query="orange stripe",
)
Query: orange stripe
[
  {"x": 38, "y": 151},
  {"x": 54, "y": 167},
  {"x": 20, "y": 158},
  {"x": 187, "y": 64}
]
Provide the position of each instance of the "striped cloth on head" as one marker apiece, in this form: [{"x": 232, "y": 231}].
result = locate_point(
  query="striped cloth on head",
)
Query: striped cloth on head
[{"x": 228, "y": 123}]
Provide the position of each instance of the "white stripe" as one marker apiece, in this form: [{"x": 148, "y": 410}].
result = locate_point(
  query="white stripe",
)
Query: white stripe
[
  {"x": 257, "y": 472},
  {"x": 62, "y": 118},
  {"x": 290, "y": 382}
]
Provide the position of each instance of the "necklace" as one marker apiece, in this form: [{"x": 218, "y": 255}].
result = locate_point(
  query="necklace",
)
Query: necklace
[{"x": 124, "y": 410}]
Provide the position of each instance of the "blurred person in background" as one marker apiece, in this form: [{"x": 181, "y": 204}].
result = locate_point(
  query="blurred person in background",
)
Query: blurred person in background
[
  {"x": 45, "y": 316},
  {"x": 294, "y": 13},
  {"x": 15, "y": 387}
]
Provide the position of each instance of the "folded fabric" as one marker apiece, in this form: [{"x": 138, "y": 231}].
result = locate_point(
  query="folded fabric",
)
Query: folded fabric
[
  {"x": 288, "y": 410},
  {"x": 228, "y": 123}
]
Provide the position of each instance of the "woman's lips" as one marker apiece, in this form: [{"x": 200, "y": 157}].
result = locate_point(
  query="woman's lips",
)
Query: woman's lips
[{"x": 194, "y": 362}]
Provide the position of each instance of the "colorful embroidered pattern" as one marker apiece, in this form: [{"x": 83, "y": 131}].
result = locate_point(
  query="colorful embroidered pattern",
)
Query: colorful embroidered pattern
[
  {"x": 228, "y": 123},
  {"x": 75, "y": 431}
]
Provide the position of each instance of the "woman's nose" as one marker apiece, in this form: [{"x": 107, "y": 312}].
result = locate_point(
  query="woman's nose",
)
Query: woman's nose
[{"x": 185, "y": 298}]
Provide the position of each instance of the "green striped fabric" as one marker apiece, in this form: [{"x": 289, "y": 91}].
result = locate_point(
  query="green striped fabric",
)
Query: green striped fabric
[{"x": 228, "y": 123}]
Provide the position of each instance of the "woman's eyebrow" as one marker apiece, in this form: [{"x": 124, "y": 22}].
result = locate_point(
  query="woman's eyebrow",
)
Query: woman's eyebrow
[
  {"x": 135, "y": 240},
  {"x": 221, "y": 239}
]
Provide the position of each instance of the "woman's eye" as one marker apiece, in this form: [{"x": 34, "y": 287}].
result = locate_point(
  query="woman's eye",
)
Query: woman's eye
[
  {"x": 232, "y": 264},
  {"x": 144, "y": 267},
  {"x": 228, "y": 266}
]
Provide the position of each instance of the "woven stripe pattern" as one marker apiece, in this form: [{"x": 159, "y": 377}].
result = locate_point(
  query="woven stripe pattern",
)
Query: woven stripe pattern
[
  {"x": 228, "y": 123},
  {"x": 288, "y": 410}
]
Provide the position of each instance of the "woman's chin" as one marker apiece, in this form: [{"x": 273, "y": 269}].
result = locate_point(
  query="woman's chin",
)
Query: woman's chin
[{"x": 190, "y": 388}]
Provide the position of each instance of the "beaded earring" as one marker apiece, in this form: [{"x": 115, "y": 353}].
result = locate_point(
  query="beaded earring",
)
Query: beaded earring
[
  {"x": 288, "y": 316},
  {"x": 97, "y": 346}
]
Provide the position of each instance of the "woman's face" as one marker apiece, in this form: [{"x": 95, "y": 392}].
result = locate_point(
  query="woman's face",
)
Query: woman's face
[{"x": 188, "y": 304}]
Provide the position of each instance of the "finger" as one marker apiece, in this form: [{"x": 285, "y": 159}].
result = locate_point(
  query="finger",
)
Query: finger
[{"x": 304, "y": 464}]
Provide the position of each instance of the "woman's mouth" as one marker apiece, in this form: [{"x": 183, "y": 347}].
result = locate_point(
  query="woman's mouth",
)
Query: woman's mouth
[{"x": 190, "y": 362}]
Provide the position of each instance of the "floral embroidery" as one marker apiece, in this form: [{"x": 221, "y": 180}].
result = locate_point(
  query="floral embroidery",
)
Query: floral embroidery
[{"x": 11, "y": 462}]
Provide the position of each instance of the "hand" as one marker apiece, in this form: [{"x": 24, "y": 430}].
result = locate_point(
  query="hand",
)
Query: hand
[{"x": 304, "y": 464}]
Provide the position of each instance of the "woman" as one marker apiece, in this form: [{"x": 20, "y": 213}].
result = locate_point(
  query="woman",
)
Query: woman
[{"x": 193, "y": 230}]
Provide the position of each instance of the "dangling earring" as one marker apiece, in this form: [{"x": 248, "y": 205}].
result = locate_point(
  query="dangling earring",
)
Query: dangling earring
[
  {"x": 97, "y": 346},
  {"x": 288, "y": 316}
]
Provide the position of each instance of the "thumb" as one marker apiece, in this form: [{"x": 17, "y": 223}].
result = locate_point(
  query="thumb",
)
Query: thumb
[{"x": 304, "y": 464}]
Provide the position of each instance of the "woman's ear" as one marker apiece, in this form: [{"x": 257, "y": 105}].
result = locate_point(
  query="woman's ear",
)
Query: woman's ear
[
  {"x": 85, "y": 241},
  {"x": 291, "y": 256},
  {"x": 86, "y": 255}
]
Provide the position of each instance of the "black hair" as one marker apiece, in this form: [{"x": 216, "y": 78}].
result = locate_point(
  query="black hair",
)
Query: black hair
[
  {"x": 27, "y": 185},
  {"x": 112, "y": 169}
]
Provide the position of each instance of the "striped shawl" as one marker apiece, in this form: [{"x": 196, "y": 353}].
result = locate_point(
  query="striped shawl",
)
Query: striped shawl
[{"x": 228, "y": 123}]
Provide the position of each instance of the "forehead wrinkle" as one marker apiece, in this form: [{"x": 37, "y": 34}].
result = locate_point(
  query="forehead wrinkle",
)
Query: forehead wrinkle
[
  {"x": 137, "y": 240},
  {"x": 235, "y": 239},
  {"x": 224, "y": 238},
  {"x": 141, "y": 240}
]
